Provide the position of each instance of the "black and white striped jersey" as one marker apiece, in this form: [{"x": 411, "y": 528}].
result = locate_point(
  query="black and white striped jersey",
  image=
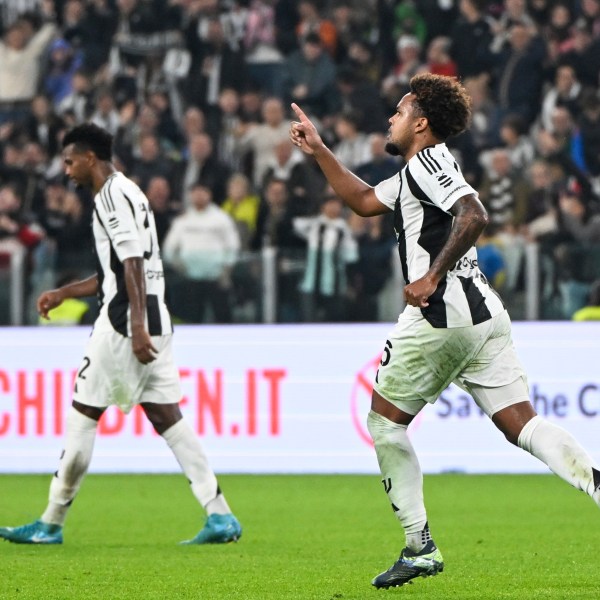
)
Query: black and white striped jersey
[
  {"x": 123, "y": 226},
  {"x": 421, "y": 195}
]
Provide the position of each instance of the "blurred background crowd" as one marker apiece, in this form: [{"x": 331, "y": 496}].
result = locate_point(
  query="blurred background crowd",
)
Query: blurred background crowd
[{"x": 197, "y": 95}]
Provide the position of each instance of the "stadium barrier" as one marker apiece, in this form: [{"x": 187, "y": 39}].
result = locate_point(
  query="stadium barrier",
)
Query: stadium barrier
[{"x": 288, "y": 399}]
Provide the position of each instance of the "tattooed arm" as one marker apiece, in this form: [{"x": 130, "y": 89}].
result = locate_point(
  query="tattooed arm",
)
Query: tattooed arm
[{"x": 470, "y": 219}]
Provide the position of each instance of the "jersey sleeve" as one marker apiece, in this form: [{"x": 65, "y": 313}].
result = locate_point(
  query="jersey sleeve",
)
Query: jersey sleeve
[
  {"x": 117, "y": 214},
  {"x": 387, "y": 191},
  {"x": 440, "y": 178}
]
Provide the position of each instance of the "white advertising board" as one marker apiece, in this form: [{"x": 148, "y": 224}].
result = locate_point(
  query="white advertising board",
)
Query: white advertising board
[{"x": 288, "y": 399}]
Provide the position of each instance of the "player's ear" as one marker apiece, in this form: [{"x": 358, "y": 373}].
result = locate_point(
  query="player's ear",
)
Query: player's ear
[{"x": 421, "y": 124}]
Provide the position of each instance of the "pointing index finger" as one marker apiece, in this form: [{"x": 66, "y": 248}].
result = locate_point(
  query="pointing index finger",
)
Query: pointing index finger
[{"x": 299, "y": 112}]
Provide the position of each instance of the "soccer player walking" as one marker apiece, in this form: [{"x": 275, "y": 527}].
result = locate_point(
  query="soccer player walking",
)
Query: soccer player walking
[
  {"x": 454, "y": 328},
  {"x": 128, "y": 359}
]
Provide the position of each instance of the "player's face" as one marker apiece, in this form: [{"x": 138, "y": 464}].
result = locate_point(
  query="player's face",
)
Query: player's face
[
  {"x": 77, "y": 166},
  {"x": 402, "y": 127}
]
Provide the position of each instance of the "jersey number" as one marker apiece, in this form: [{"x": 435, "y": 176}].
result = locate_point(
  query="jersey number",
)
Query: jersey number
[{"x": 86, "y": 364}]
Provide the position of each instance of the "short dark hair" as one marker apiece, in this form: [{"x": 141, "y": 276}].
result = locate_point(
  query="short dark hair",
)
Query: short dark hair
[
  {"x": 443, "y": 101},
  {"x": 89, "y": 136}
]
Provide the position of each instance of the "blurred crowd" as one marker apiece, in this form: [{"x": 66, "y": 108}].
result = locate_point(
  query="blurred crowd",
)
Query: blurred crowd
[{"x": 197, "y": 95}]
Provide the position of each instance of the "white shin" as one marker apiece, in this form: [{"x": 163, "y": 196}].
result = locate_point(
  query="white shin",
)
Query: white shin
[
  {"x": 399, "y": 466},
  {"x": 190, "y": 456},
  {"x": 74, "y": 463}
]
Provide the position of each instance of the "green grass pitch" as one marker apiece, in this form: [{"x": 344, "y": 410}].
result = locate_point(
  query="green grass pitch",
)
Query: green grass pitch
[{"x": 305, "y": 537}]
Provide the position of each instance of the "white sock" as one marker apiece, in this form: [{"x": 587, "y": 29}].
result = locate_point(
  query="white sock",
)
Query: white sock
[
  {"x": 402, "y": 477},
  {"x": 74, "y": 463},
  {"x": 193, "y": 461},
  {"x": 562, "y": 453}
]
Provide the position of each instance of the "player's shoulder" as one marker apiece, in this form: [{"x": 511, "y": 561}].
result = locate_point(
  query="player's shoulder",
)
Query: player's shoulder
[
  {"x": 433, "y": 159},
  {"x": 118, "y": 192},
  {"x": 119, "y": 183}
]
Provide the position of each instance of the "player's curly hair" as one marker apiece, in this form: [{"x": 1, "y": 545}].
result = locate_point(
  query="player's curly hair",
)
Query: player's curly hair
[
  {"x": 444, "y": 101},
  {"x": 89, "y": 136}
]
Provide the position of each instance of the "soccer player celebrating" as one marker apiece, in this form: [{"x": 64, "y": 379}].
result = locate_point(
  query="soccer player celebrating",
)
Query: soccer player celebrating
[
  {"x": 128, "y": 359},
  {"x": 454, "y": 327}
]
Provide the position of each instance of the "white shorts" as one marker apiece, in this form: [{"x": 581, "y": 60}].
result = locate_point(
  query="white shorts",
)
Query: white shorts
[
  {"x": 420, "y": 361},
  {"x": 111, "y": 374}
]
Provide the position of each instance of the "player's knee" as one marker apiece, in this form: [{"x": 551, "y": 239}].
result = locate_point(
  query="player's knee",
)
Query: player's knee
[
  {"x": 162, "y": 416},
  {"x": 382, "y": 430}
]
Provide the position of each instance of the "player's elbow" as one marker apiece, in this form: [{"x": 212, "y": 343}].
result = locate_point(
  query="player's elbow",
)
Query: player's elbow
[{"x": 483, "y": 218}]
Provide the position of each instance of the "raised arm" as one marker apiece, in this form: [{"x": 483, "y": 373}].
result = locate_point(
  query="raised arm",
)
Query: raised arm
[
  {"x": 357, "y": 194},
  {"x": 470, "y": 219},
  {"x": 53, "y": 298}
]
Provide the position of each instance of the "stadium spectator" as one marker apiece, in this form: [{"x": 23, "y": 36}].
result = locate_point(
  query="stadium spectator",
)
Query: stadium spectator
[
  {"x": 309, "y": 77},
  {"x": 591, "y": 311},
  {"x": 444, "y": 334},
  {"x": 590, "y": 11},
  {"x": 515, "y": 12},
  {"x": 566, "y": 92},
  {"x": 302, "y": 181},
  {"x": 164, "y": 208},
  {"x": 168, "y": 130},
  {"x": 408, "y": 49},
  {"x": 351, "y": 26},
  {"x": 331, "y": 247},
  {"x": 409, "y": 21},
  {"x": 242, "y": 205},
  {"x": 471, "y": 38},
  {"x": 518, "y": 73},
  {"x": 202, "y": 246},
  {"x": 363, "y": 61},
  {"x": 576, "y": 248},
  {"x": 312, "y": 22},
  {"x": 583, "y": 54},
  {"x": 215, "y": 66},
  {"x": 490, "y": 257},
  {"x": 540, "y": 216},
  {"x": 361, "y": 96},
  {"x": 225, "y": 126},
  {"x": 193, "y": 121},
  {"x": 128, "y": 357},
  {"x": 17, "y": 226},
  {"x": 35, "y": 164},
  {"x": 275, "y": 229},
  {"x": 589, "y": 126},
  {"x": 150, "y": 162},
  {"x": 21, "y": 50},
  {"x": 516, "y": 142},
  {"x": 484, "y": 129},
  {"x": 438, "y": 59},
  {"x": 66, "y": 220},
  {"x": 89, "y": 27},
  {"x": 80, "y": 102},
  {"x": 43, "y": 125},
  {"x": 373, "y": 269},
  {"x": 563, "y": 142},
  {"x": 353, "y": 147},
  {"x": 106, "y": 114},
  {"x": 274, "y": 226},
  {"x": 201, "y": 166},
  {"x": 503, "y": 191},
  {"x": 260, "y": 139},
  {"x": 264, "y": 59},
  {"x": 63, "y": 62}
]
